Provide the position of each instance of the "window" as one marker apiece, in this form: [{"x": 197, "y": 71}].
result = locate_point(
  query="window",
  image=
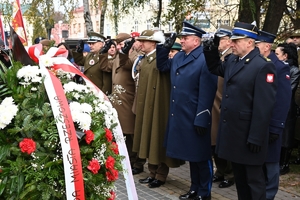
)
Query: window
[
  {"x": 136, "y": 25},
  {"x": 170, "y": 26},
  {"x": 74, "y": 28},
  {"x": 65, "y": 33},
  {"x": 226, "y": 2},
  {"x": 148, "y": 24},
  {"x": 79, "y": 28}
]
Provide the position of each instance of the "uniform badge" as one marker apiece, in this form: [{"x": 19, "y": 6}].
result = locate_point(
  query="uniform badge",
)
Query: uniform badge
[
  {"x": 270, "y": 78},
  {"x": 92, "y": 62}
]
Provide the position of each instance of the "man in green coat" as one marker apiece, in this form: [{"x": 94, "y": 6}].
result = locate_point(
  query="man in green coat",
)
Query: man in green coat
[
  {"x": 152, "y": 106},
  {"x": 92, "y": 63}
]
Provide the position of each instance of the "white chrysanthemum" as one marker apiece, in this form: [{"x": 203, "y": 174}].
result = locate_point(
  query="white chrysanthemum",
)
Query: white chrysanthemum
[
  {"x": 7, "y": 101},
  {"x": 8, "y": 111},
  {"x": 29, "y": 74},
  {"x": 74, "y": 105},
  {"x": 46, "y": 61},
  {"x": 85, "y": 121},
  {"x": 85, "y": 107},
  {"x": 76, "y": 95},
  {"x": 70, "y": 87}
]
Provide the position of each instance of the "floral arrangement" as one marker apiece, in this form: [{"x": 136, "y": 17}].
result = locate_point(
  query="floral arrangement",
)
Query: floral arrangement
[{"x": 31, "y": 164}]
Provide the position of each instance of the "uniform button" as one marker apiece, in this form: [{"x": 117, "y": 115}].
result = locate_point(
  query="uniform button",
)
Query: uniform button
[
  {"x": 172, "y": 114},
  {"x": 225, "y": 108},
  {"x": 177, "y": 73},
  {"x": 229, "y": 83},
  {"x": 153, "y": 87},
  {"x": 226, "y": 95},
  {"x": 224, "y": 120},
  {"x": 174, "y": 87},
  {"x": 173, "y": 100}
]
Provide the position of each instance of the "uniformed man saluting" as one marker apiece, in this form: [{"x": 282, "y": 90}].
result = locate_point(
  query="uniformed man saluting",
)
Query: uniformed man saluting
[{"x": 92, "y": 64}]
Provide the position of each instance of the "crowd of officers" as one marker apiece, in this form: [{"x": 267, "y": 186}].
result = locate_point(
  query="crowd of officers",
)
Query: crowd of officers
[{"x": 233, "y": 98}]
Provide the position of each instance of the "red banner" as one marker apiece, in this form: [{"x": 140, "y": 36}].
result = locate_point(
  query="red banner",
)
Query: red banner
[
  {"x": 17, "y": 22},
  {"x": 2, "y": 32}
]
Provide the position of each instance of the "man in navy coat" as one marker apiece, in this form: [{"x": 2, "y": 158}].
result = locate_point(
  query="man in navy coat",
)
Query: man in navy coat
[
  {"x": 193, "y": 89},
  {"x": 264, "y": 42},
  {"x": 249, "y": 91}
]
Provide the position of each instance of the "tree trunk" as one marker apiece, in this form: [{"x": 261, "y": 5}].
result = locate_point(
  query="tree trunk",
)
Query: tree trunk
[
  {"x": 156, "y": 24},
  {"x": 249, "y": 11},
  {"x": 87, "y": 17},
  {"x": 274, "y": 16},
  {"x": 103, "y": 6}
]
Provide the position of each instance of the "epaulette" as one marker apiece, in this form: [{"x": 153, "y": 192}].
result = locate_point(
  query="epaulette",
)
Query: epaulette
[{"x": 265, "y": 58}]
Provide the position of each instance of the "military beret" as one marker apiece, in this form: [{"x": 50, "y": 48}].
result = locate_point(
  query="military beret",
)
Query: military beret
[
  {"x": 46, "y": 42},
  {"x": 296, "y": 33},
  {"x": 176, "y": 46},
  {"x": 121, "y": 37},
  {"x": 135, "y": 34},
  {"x": 95, "y": 37}
]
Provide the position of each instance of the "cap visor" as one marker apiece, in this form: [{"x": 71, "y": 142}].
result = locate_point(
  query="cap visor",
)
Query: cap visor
[{"x": 236, "y": 37}]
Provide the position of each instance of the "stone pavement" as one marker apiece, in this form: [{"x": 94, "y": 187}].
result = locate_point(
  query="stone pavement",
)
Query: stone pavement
[{"x": 178, "y": 182}]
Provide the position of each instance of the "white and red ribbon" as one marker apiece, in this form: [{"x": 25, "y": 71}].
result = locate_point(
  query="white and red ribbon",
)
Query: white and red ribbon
[{"x": 61, "y": 111}]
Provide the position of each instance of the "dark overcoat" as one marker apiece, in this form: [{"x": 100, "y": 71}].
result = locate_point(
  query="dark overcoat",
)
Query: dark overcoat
[
  {"x": 248, "y": 99},
  {"x": 281, "y": 107},
  {"x": 193, "y": 89},
  {"x": 152, "y": 106},
  {"x": 91, "y": 63},
  {"x": 123, "y": 88},
  {"x": 216, "y": 109},
  {"x": 288, "y": 137}
]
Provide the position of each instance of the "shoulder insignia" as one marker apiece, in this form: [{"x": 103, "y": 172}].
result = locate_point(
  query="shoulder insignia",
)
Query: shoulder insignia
[
  {"x": 247, "y": 60},
  {"x": 267, "y": 59}
]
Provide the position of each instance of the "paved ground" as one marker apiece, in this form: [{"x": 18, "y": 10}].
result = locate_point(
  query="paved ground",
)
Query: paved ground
[{"x": 178, "y": 182}]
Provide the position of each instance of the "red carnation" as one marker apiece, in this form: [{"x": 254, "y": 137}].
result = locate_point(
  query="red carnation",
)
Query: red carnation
[
  {"x": 113, "y": 195},
  {"x": 94, "y": 166},
  {"x": 27, "y": 145},
  {"x": 108, "y": 135},
  {"x": 115, "y": 148},
  {"x": 112, "y": 175},
  {"x": 110, "y": 163},
  {"x": 89, "y": 136}
]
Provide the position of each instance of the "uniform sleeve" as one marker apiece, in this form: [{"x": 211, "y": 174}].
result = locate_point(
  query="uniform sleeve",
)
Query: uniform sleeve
[
  {"x": 207, "y": 92},
  {"x": 263, "y": 103},
  {"x": 283, "y": 100},
  {"x": 162, "y": 58},
  {"x": 78, "y": 58}
]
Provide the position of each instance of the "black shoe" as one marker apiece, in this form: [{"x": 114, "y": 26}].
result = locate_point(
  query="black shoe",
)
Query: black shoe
[
  {"x": 284, "y": 169},
  {"x": 202, "y": 198},
  {"x": 218, "y": 178},
  {"x": 226, "y": 184},
  {"x": 136, "y": 171},
  {"x": 146, "y": 180},
  {"x": 189, "y": 195},
  {"x": 156, "y": 183}
]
